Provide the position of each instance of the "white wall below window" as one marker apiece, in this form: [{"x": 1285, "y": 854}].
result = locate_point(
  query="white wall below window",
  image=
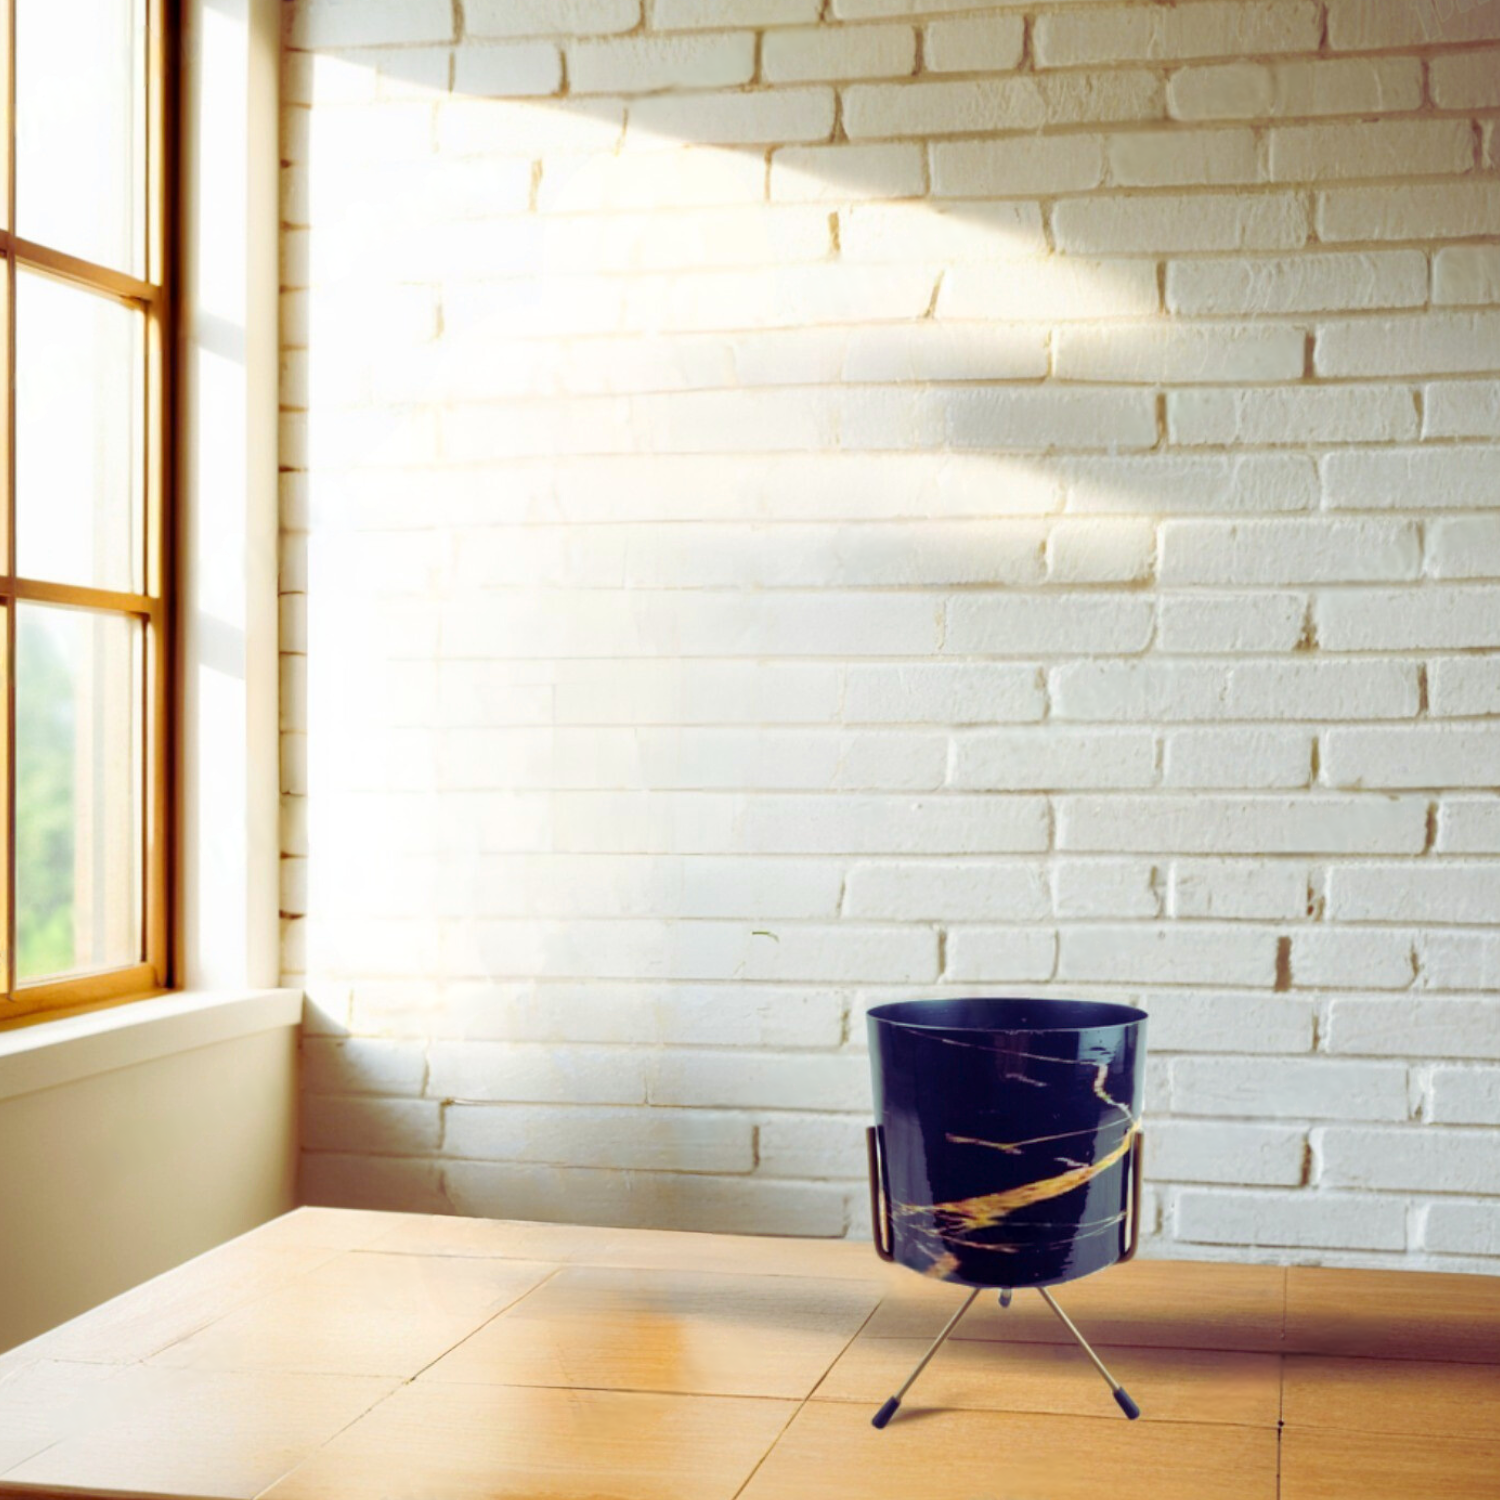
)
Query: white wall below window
[{"x": 136, "y": 1140}]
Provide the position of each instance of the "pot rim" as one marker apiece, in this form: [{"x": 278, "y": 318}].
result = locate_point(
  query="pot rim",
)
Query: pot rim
[{"x": 1108, "y": 1014}]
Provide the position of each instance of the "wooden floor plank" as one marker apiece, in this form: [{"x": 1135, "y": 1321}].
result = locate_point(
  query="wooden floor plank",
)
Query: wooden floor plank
[
  {"x": 454, "y": 1442},
  {"x": 1396, "y": 1396},
  {"x": 831, "y": 1452},
  {"x": 1170, "y": 1385},
  {"x": 196, "y": 1433},
  {"x": 362, "y": 1314},
  {"x": 1151, "y": 1303},
  {"x": 1393, "y": 1315},
  {"x": 683, "y": 1331},
  {"x": 1322, "y": 1465}
]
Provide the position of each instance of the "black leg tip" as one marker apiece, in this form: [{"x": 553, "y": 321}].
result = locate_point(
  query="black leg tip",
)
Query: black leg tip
[
  {"x": 1126, "y": 1405},
  {"x": 885, "y": 1413}
]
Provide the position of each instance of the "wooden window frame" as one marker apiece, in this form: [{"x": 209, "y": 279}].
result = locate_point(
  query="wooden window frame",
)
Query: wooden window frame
[{"x": 154, "y": 297}]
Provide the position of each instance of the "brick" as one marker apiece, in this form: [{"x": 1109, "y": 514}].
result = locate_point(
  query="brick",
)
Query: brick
[
  {"x": 1244, "y": 759},
  {"x": 1464, "y": 687},
  {"x": 842, "y": 174},
  {"x": 565, "y": 18},
  {"x": 1084, "y": 888},
  {"x": 1410, "y": 1160},
  {"x": 502, "y": 128},
  {"x": 1168, "y": 954},
  {"x": 1401, "y": 479},
  {"x": 977, "y": 106},
  {"x": 1436, "y": 344},
  {"x": 1288, "y": 90},
  {"x": 1369, "y": 25},
  {"x": 1326, "y": 282},
  {"x": 644, "y": 64},
  {"x": 742, "y": 1080},
  {"x": 838, "y": 53},
  {"x": 1447, "y": 892},
  {"x": 1466, "y": 80},
  {"x": 764, "y": 117},
  {"x": 947, "y": 890},
  {"x": 1312, "y": 1088},
  {"x": 1353, "y": 960},
  {"x": 1062, "y": 288},
  {"x": 1408, "y": 1027},
  {"x": 1245, "y": 825},
  {"x": 1372, "y": 148},
  {"x": 361, "y": 1065},
  {"x": 1298, "y": 1221},
  {"x": 341, "y": 1180},
  {"x": 718, "y": 15},
  {"x": 1238, "y": 889},
  {"x": 380, "y": 1127},
  {"x": 974, "y": 232},
  {"x": 1178, "y": 158},
  {"x": 1462, "y": 409},
  {"x": 1055, "y": 624},
  {"x": 1043, "y": 420},
  {"x": 1451, "y": 617},
  {"x": 932, "y": 351},
  {"x": 978, "y": 44},
  {"x": 1410, "y": 211},
  {"x": 1466, "y": 274},
  {"x": 1106, "y": 691},
  {"x": 1466, "y": 1096},
  {"x": 1279, "y": 552},
  {"x": 1254, "y": 624},
  {"x": 361, "y": 23},
  {"x": 1239, "y": 1155},
  {"x": 1305, "y": 414},
  {"x": 591, "y": 181},
  {"x": 943, "y": 692},
  {"x": 1017, "y": 168},
  {"x": 999, "y": 955},
  {"x": 1469, "y": 825},
  {"x": 1052, "y": 759},
  {"x": 1164, "y": 223},
  {"x": 1147, "y": 354},
  {"x": 525, "y": 1074},
  {"x": 1070, "y": 39},
  {"x": 1102, "y": 550},
  {"x": 809, "y": 1146},
  {"x": 642, "y": 1200},
  {"x": 1459, "y": 961},
  {"x": 1163, "y": 484},
  {"x": 1434, "y": 757},
  {"x": 864, "y": 10},
  {"x": 507, "y": 70},
  {"x": 1463, "y": 1228},
  {"x": 633, "y": 1140}
]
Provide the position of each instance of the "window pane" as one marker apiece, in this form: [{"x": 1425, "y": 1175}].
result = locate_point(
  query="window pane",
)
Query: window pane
[
  {"x": 80, "y": 468},
  {"x": 78, "y": 791},
  {"x": 80, "y": 128}
]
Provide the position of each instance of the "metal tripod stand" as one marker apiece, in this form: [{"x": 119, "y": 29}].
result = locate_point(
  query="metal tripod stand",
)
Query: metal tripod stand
[{"x": 1121, "y": 1395}]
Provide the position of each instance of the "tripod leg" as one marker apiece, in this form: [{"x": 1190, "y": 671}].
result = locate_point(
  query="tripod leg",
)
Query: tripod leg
[
  {"x": 1122, "y": 1398},
  {"x": 888, "y": 1411}
]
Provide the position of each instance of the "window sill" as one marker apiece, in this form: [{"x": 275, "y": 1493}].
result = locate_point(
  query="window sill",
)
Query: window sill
[{"x": 61, "y": 1051}]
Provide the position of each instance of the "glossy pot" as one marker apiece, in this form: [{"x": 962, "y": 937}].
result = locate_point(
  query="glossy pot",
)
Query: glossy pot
[{"x": 1008, "y": 1147}]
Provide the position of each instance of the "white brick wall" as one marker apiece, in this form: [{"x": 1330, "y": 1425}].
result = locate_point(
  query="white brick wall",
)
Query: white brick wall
[{"x": 791, "y": 505}]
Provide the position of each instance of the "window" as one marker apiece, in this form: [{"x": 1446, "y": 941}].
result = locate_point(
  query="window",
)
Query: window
[{"x": 84, "y": 599}]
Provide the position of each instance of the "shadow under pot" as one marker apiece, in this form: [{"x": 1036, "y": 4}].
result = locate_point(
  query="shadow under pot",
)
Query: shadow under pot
[{"x": 1008, "y": 1148}]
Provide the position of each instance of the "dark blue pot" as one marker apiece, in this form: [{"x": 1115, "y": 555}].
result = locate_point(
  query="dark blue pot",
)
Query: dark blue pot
[{"x": 1008, "y": 1149}]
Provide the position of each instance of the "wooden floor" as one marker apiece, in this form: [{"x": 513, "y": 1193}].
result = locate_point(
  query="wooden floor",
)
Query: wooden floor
[{"x": 362, "y": 1356}]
